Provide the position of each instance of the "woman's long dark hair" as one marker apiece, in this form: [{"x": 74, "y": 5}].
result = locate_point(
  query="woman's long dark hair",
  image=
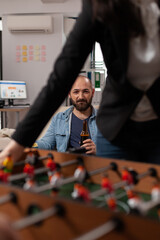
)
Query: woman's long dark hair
[{"x": 121, "y": 13}]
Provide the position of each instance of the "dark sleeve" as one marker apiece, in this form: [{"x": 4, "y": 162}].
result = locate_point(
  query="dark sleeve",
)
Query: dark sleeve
[{"x": 66, "y": 69}]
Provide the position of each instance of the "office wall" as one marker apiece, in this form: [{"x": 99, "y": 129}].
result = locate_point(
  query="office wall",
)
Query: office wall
[
  {"x": 36, "y": 6},
  {"x": 36, "y": 72},
  {"x": 33, "y": 72}
]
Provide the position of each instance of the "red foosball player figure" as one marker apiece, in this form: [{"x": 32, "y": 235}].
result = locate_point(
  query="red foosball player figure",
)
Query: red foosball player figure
[
  {"x": 134, "y": 201},
  {"x": 4, "y": 176},
  {"x": 80, "y": 192},
  {"x": 51, "y": 164},
  {"x": 130, "y": 194},
  {"x": 32, "y": 156},
  {"x": 106, "y": 184},
  {"x": 111, "y": 202},
  {"x": 29, "y": 170},
  {"x": 155, "y": 194},
  {"x": 55, "y": 179},
  {"x": 29, "y": 184},
  {"x": 126, "y": 176},
  {"x": 80, "y": 173},
  {"x": 110, "y": 198}
]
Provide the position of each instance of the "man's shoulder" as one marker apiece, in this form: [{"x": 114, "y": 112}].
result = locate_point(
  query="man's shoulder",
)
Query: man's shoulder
[
  {"x": 64, "y": 113},
  {"x": 94, "y": 111}
]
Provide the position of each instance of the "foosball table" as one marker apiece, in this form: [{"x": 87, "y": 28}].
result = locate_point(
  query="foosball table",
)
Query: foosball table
[{"x": 58, "y": 196}]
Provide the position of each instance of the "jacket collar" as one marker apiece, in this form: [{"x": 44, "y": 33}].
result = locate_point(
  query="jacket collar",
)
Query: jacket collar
[{"x": 70, "y": 110}]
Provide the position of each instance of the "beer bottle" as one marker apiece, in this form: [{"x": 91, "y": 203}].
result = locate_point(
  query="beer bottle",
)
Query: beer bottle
[{"x": 84, "y": 134}]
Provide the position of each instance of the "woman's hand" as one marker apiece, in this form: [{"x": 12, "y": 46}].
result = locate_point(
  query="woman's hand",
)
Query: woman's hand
[
  {"x": 6, "y": 230},
  {"x": 14, "y": 149}
]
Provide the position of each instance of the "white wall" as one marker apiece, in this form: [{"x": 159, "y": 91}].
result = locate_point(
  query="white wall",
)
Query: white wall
[
  {"x": 36, "y": 6},
  {"x": 34, "y": 73}
]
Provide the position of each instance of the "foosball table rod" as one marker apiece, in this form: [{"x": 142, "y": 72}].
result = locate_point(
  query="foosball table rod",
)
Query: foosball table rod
[
  {"x": 112, "y": 225},
  {"x": 79, "y": 175},
  {"x": 57, "y": 210}
]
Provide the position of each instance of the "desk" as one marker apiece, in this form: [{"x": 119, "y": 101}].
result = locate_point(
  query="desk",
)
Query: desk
[{"x": 16, "y": 109}]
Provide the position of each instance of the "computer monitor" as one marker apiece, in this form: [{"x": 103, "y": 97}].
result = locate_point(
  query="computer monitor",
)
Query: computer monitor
[{"x": 11, "y": 90}]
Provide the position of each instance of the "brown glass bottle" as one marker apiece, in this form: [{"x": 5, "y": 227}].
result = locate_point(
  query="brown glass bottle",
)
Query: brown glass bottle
[{"x": 84, "y": 134}]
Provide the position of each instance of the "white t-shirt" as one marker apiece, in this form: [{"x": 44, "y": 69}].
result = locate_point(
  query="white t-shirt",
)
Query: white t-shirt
[{"x": 144, "y": 58}]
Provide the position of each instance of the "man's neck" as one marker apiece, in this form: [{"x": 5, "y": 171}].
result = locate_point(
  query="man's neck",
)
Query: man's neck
[{"x": 83, "y": 114}]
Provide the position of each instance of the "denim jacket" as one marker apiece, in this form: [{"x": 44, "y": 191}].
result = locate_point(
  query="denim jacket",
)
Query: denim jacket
[{"x": 58, "y": 133}]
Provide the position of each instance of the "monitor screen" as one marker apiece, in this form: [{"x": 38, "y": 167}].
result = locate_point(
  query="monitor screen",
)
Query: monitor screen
[{"x": 12, "y": 90}]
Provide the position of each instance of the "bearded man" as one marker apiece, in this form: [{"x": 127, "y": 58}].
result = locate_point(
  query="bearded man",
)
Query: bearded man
[{"x": 65, "y": 128}]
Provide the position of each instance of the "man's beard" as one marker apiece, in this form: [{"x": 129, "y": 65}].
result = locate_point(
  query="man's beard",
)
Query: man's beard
[{"x": 81, "y": 105}]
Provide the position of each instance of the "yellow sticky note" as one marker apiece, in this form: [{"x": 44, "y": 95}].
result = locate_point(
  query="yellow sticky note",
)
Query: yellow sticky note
[
  {"x": 36, "y": 58},
  {"x": 24, "y": 59},
  {"x": 24, "y": 53},
  {"x": 37, "y": 47},
  {"x": 24, "y": 47},
  {"x": 36, "y": 53}
]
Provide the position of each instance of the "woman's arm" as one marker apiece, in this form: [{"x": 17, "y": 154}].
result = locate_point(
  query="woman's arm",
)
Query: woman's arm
[{"x": 67, "y": 67}]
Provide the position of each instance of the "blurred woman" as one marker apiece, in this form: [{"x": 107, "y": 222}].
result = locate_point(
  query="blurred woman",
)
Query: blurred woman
[{"x": 128, "y": 116}]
